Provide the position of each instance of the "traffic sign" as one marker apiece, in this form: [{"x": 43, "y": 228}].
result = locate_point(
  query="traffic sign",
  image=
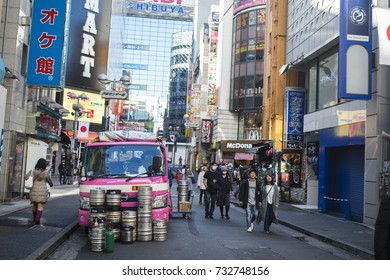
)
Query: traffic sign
[{"x": 113, "y": 94}]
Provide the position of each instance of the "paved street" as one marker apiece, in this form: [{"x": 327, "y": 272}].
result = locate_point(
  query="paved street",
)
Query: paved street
[{"x": 295, "y": 237}]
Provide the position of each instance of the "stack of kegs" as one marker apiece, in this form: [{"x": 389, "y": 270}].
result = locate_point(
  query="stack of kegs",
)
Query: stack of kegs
[
  {"x": 144, "y": 198},
  {"x": 182, "y": 190},
  {"x": 160, "y": 230},
  {"x": 129, "y": 223},
  {"x": 113, "y": 206},
  {"x": 97, "y": 220}
]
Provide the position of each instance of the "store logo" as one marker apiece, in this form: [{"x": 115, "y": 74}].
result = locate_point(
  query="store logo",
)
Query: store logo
[
  {"x": 358, "y": 15},
  {"x": 238, "y": 145}
]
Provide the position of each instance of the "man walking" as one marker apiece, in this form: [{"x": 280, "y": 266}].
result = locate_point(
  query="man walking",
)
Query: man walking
[
  {"x": 210, "y": 180},
  {"x": 249, "y": 198},
  {"x": 62, "y": 172}
]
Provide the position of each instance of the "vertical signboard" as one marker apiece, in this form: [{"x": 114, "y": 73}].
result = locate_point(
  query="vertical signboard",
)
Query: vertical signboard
[
  {"x": 89, "y": 34},
  {"x": 207, "y": 130},
  {"x": 46, "y": 44},
  {"x": 293, "y": 120},
  {"x": 355, "y": 59}
]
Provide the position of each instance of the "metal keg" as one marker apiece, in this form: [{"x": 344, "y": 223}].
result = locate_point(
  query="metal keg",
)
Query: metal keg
[
  {"x": 113, "y": 200},
  {"x": 97, "y": 198},
  {"x": 127, "y": 235},
  {"x": 97, "y": 215},
  {"x": 144, "y": 235},
  {"x": 97, "y": 239},
  {"x": 160, "y": 230},
  {"x": 182, "y": 190}
]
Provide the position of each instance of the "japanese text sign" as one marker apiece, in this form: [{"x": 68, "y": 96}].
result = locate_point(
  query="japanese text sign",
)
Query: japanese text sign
[
  {"x": 46, "y": 45},
  {"x": 295, "y": 110}
]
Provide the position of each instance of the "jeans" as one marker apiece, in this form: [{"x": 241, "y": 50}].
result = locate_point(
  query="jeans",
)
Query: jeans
[
  {"x": 251, "y": 213},
  {"x": 202, "y": 192},
  {"x": 210, "y": 200},
  {"x": 62, "y": 178},
  {"x": 269, "y": 216}
]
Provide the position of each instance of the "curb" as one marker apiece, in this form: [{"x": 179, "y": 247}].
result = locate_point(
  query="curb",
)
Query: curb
[{"x": 49, "y": 246}]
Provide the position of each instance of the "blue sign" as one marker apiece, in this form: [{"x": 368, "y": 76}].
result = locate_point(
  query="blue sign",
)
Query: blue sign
[
  {"x": 132, "y": 66},
  {"x": 355, "y": 52},
  {"x": 46, "y": 45},
  {"x": 294, "y": 113}
]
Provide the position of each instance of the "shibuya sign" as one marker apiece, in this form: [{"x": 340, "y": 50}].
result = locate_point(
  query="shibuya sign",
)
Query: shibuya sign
[{"x": 160, "y": 8}]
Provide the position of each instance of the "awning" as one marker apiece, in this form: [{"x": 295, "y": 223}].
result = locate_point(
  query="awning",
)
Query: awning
[{"x": 243, "y": 156}]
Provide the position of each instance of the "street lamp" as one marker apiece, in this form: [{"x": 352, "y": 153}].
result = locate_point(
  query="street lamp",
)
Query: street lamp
[
  {"x": 78, "y": 110},
  {"x": 114, "y": 94}
]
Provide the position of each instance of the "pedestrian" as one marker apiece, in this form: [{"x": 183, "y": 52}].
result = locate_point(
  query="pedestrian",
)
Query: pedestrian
[
  {"x": 180, "y": 161},
  {"x": 249, "y": 198},
  {"x": 62, "y": 172},
  {"x": 38, "y": 195},
  {"x": 210, "y": 180},
  {"x": 179, "y": 175},
  {"x": 382, "y": 230},
  {"x": 223, "y": 193},
  {"x": 170, "y": 177},
  {"x": 69, "y": 167},
  {"x": 270, "y": 202},
  {"x": 201, "y": 184}
]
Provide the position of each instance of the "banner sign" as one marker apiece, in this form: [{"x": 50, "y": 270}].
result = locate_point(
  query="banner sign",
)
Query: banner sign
[
  {"x": 46, "y": 43},
  {"x": 243, "y": 4},
  {"x": 355, "y": 57},
  {"x": 167, "y": 9},
  {"x": 207, "y": 131},
  {"x": 294, "y": 112}
]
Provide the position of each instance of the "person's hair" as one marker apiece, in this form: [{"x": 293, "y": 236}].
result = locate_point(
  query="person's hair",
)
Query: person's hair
[
  {"x": 41, "y": 164},
  {"x": 266, "y": 182}
]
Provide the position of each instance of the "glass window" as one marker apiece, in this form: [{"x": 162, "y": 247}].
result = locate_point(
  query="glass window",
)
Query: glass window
[
  {"x": 327, "y": 80},
  {"x": 312, "y": 94}
]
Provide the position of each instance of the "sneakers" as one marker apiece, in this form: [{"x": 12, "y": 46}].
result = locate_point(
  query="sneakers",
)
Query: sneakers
[
  {"x": 267, "y": 231},
  {"x": 222, "y": 217},
  {"x": 251, "y": 226},
  {"x": 228, "y": 217},
  {"x": 250, "y": 229}
]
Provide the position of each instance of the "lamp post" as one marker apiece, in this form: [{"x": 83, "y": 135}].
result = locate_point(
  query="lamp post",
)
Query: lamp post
[
  {"x": 105, "y": 82},
  {"x": 78, "y": 109}
]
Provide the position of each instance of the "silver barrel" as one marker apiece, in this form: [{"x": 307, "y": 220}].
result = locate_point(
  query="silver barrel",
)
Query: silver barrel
[
  {"x": 160, "y": 230},
  {"x": 97, "y": 198},
  {"x": 113, "y": 199}
]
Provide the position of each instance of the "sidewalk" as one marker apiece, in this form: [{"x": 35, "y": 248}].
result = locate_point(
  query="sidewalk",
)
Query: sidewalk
[
  {"x": 353, "y": 237},
  {"x": 356, "y": 238}
]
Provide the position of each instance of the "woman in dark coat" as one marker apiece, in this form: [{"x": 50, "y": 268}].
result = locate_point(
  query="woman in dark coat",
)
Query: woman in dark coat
[
  {"x": 223, "y": 193},
  {"x": 382, "y": 230}
]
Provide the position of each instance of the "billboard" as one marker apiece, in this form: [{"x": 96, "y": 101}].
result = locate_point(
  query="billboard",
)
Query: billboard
[
  {"x": 167, "y": 9},
  {"x": 94, "y": 106},
  {"x": 46, "y": 43},
  {"x": 243, "y": 4},
  {"x": 89, "y": 34}
]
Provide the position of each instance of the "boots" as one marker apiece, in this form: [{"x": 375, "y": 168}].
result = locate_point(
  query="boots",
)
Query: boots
[
  {"x": 34, "y": 212},
  {"x": 38, "y": 217}
]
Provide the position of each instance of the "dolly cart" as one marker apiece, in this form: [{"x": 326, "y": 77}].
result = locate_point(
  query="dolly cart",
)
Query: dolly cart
[{"x": 185, "y": 207}]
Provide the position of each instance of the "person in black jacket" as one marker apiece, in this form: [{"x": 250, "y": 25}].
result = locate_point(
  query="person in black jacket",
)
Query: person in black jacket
[
  {"x": 210, "y": 180},
  {"x": 62, "y": 172},
  {"x": 223, "y": 193},
  {"x": 382, "y": 231},
  {"x": 249, "y": 198}
]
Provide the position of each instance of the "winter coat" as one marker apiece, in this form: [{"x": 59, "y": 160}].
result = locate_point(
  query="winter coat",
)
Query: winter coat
[
  {"x": 224, "y": 189},
  {"x": 38, "y": 190},
  {"x": 382, "y": 231},
  {"x": 201, "y": 184},
  {"x": 244, "y": 192},
  {"x": 275, "y": 202}
]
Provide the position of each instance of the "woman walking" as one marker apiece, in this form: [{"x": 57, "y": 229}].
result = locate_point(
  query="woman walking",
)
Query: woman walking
[
  {"x": 270, "y": 202},
  {"x": 223, "y": 193},
  {"x": 201, "y": 185},
  {"x": 38, "y": 196}
]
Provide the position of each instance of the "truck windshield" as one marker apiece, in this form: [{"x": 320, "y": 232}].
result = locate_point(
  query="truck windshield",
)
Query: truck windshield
[{"x": 122, "y": 160}]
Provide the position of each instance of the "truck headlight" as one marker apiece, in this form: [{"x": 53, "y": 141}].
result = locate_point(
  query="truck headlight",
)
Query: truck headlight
[{"x": 160, "y": 201}]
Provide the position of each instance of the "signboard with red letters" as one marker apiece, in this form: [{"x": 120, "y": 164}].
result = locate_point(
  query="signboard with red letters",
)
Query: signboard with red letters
[{"x": 47, "y": 37}]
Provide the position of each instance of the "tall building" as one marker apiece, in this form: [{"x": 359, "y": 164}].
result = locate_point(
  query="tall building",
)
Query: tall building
[{"x": 150, "y": 27}]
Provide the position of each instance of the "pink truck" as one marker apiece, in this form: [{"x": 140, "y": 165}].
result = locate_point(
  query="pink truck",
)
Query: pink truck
[{"x": 125, "y": 161}]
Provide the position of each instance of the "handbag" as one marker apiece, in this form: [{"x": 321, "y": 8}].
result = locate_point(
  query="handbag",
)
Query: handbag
[{"x": 29, "y": 182}]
